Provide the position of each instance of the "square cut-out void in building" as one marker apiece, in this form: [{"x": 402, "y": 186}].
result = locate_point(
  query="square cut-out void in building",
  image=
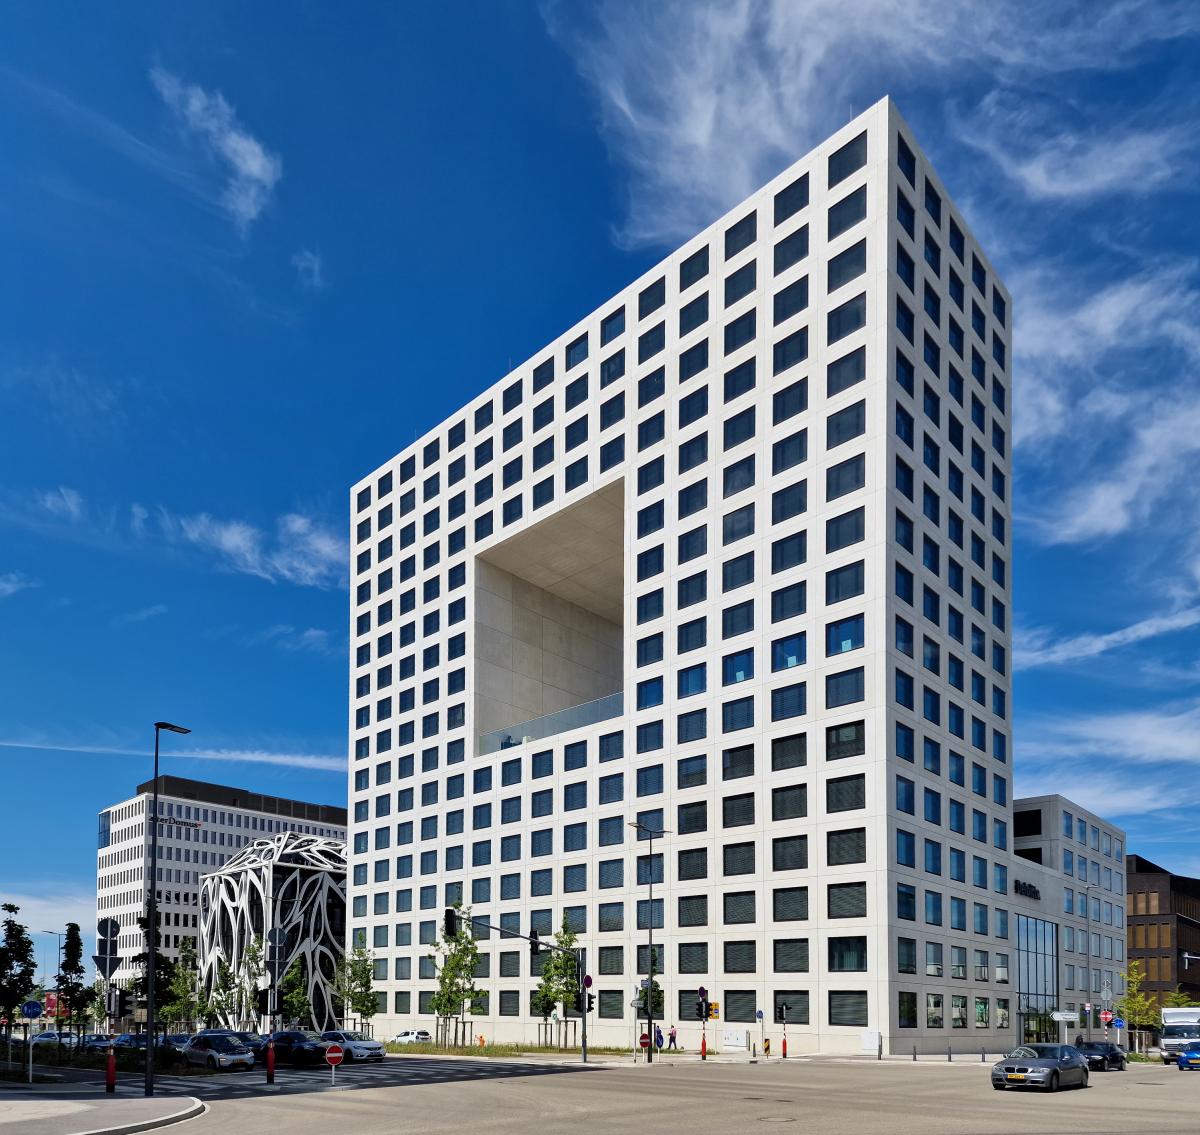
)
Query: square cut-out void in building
[{"x": 549, "y": 614}]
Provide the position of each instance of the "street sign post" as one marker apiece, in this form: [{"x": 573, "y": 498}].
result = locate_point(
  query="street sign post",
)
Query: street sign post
[
  {"x": 1106, "y": 1016},
  {"x": 333, "y": 1057},
  {"x": 106, "y": 957},
  {"x": 1118, "y": 1023},
  {"x": 32, "y": 1010},
  {"x": 644, "y": 1040}
]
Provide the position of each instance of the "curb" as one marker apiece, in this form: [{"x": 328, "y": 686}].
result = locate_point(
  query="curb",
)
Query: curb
[{"x": 194, "y": 1108}]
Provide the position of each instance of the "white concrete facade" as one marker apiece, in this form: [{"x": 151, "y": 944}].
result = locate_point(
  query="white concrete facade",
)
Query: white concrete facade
[
  {"x": 202, "y": 826},
  {"x": 775, "y": 470}
]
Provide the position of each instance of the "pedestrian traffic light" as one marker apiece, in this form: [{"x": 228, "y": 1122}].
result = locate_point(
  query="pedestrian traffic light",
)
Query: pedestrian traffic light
[
  {"x": 781, "y": 1012},
  {"x": 701, "y": 1010},
  {"x": 124, "y": 1003},
  {"x": 535, "y": 945},
  {"x": 591, "y": 1002},
  {"x": 450, "y": 924},
  {"x": 263, "y": 1002}
]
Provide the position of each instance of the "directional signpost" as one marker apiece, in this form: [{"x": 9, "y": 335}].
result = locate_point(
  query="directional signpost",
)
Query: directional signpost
[
  {"x": 333, "y": 1057},
  {"x": 31, "y": 1010}
]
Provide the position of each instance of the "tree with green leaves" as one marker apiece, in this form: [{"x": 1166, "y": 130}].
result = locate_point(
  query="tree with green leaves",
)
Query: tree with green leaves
[
  {"x": 74, "y": 995},
  {"x": 18, "y": 964},
  {"x": 222, "y": 998},
  {"x": 250, "y": 980},
  {"x": 656, "y": 1000},
  {"x": 1177, "y": 999},
  {"x": 354, "y": 984},
  {"x": 1138, "y": 1008},
  {"x": 164, "y": 967},
  {"x": 458, "y": 955},
  {"x": 181, "y": 1002},
  {"x": 293, "y": 996},
  {"x": 559, "y": 982}
]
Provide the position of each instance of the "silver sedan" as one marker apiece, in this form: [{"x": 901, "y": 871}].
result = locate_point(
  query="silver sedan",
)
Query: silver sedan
[{"x": 1048, "y": 1066}]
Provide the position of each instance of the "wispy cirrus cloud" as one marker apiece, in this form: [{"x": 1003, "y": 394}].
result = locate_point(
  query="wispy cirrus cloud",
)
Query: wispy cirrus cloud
[
  {"x": 251, "y": 170},
  {"x": 294, "y": 640},
  {"x": 62, "y": 502},
  {"x": 702, "y": 103},
  {"x": 310, "y": 270},
  {"x": 312, "y": 761},
  {"x": 1040, "y": 646},
  {"x": 13, "y": 581},
  {"x": 141, "y": 615}
]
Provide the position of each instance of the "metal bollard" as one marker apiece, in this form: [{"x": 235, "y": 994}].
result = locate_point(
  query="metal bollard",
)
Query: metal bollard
[
  {"x": 879, "y": 1052},
  {"x": 914, "y": 1054},
  {"x": 949, "y": 1054},
  {"x": 982, "y": 1055}
]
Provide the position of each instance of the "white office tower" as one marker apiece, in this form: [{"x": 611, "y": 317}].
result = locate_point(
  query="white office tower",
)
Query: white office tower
[{"x": 732, "y": 557}]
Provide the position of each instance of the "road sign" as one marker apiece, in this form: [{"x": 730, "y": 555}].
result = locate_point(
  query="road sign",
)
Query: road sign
[
  {"x": 31, "y": 1009},
  {"x": 587, "y": 981},
  {"x": 1069, "y": 1016},
  {"x": 714, "y": 1010},
  {"x": 1088, "y": 1007},
  {"x": 758, "y": 1014},
  {"x": 106, "y": 965},
  {"x": 645, "y": 983},
  {"x": 1118, "y": 1023},
  {"x": 334, "y": 1054},
  {"x": 276, "y": 936},
  {"x": 702, "y": 993},
  {"x": 107, "y": 928},
  {"x": 644, "y": 1040},
  {"x": 1106, "y": 1016}
]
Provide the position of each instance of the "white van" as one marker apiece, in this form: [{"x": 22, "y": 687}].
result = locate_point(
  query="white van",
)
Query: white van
[{"x": 1180, "y": 1027}]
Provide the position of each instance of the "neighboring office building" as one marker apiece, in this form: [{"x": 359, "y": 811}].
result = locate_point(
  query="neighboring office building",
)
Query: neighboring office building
[
  {"x": 1084, "y": 860},
  {"x": 731, "y": 556},
  {"x": 202, "y": 825},
  {"x": 1164, "y": 924},
  {"x": 290, "y": 882}
]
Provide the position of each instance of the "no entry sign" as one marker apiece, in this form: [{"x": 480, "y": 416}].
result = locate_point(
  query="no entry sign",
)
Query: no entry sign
[{"x": 334, "y": 1055}]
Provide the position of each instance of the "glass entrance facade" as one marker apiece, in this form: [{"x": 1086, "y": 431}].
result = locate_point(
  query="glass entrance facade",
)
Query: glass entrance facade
[{"x": 1037, "y": 979}]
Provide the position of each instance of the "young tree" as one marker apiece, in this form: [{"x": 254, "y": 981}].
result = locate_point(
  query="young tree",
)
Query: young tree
[
  {"x": 164, "y": 967},
  {"x": 250, "y": 980},
  {"x": 457, "y": 958},
  {"x": 354, "y": 984},
  {"x": 1177, "y": 999},
  {"x": 222, "y": 998},
  {"x": 73, "y": 994},
  {"x": 1139, "y": 1009},
  {"x": 17, "y": 964},
  {"x": 293, "y": 995},
  {"x": 559, "y": 982},
  {"x": 180, "y": 1000}
]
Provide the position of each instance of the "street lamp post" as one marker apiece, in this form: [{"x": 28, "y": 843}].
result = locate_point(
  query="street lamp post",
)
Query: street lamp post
[
  {"x": 152, "y": 921},
  {"x": 650, "y": 833},
  {"x": 58, "y": 991},
  {"x": 1087, "y": 917}
]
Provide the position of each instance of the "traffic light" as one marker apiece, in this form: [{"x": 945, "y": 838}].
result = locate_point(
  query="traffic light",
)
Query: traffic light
[
  {"x": 263, "y": 1002},
  {"x": 701, "y": 1010},
  {"x": 591, "y": 1002},
  {"x": 451, "y": 922},
  {"x": 124, "y": 1003},
  {"x": 579, "y": 1004},
  {"x": 535, "y": 945},
  {"x": 781, "y": 1012}
]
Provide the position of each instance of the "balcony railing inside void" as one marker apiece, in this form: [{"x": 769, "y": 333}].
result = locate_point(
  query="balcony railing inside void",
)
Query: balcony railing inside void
[{"x": 561, "y": 721}]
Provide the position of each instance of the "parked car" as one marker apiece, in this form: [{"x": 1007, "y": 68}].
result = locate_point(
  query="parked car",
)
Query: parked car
[
  {"x": 298, "y": 1046},
  {"x": 357, "y": 1046},
  {"x": 1102, "y": 1055},
  {"x": 130, "y": 1040},
  {"x": 1049, "y": 1066},
  {"x": 51, "y": 1037},
  {"x": 412, "y": 1036},
  {"x": 218, "y": 1051},
  {"x": 255, "y": 1043},
  {"x": 170, "y": 1047},
  {"x": 1188, "y": 1058},
  {"x": 95, "y": 1042}
]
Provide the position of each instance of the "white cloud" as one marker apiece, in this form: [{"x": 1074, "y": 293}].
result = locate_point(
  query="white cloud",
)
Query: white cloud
[
  {"x": 309, "y": 269},
  {"x": 702, "y": 103},
  {"x": 299, "y": 551},
  {"x": 1043, "y": 647},
  {"x": 1154, "y": 735},
  {"x": 140, "y": 615},
  {"x": 252, "y": 170},
  {"x": 13, "y": 581},
  {"x": 1050, "y": 161},
  {"x": 311, "y": 640},
  {"x": 1108, "y": 795},
  {"x": 310, "y": 761},
  {"x": 50, "y": 905},
  {"x": 62, "y": 502}
]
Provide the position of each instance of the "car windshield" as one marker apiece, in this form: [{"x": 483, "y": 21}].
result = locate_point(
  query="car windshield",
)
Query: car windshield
[
  {"x": 308, "y": 1036},
  {"x": 1093, "y": 1046},
  {"x": 1038, "y": 1051},
  {"x": 226, "y": 1044},
  {"x": 356, "y": 1036},
  {"x": 246, "y": 1036},
  {"x": 1181, "y": 1032}
]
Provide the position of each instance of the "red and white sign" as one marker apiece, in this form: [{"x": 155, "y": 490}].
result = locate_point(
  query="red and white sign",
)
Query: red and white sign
[
  {"x": 50, "y": 1002},
  {"x": 334, "y": 1055},
  {"x": 645, "y": 1040},
  {"x": 1087, "y": 1007},
  {"x": 1106, "y": 1016}
]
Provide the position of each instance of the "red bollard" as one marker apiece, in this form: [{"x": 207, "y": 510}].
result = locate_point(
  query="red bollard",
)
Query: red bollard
[
  {"x": 703, "y": 1046},
  {"x": 270, "y": 1062},
  {"x": 110, "y": 1072},
  {"x": 785, "y": 1046}
]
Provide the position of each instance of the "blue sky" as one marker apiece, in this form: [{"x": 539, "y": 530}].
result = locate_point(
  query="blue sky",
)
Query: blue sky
[{"x": 245, "y": 260}]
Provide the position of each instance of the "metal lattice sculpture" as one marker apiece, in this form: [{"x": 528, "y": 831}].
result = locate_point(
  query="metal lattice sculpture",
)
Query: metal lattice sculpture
[{"x": 292, "y": 883}]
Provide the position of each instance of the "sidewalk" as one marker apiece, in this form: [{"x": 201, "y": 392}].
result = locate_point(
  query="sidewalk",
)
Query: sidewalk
[{"x": 82, "y": 1113}]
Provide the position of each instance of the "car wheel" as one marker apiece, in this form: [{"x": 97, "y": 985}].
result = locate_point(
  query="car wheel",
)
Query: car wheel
[
  {"x": 1181, "y": 1066},
  {"x": 212, "y": 1064},
  {"x": 998, "y": 1087},
  {"x": 1083, "y": 1081},
  {"x": 1052, "y": 1086}
]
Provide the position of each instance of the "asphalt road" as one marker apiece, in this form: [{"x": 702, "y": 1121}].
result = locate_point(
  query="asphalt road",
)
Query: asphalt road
[{"x": 829, "y": 1096}]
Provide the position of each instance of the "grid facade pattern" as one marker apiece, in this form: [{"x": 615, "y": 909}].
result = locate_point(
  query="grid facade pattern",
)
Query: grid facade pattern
[{"x": 803, "y": 415}]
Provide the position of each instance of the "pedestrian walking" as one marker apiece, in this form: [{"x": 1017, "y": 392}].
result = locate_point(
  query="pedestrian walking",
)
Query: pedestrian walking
[
  {"x": 658, "y": 1037},
  {"x": 671, "y": 1037},
  {"x": 1079, "y": 1040}
]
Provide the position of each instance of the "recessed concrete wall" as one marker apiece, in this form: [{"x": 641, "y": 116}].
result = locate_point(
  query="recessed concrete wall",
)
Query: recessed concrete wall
[{"x": 545, "y": 634}]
